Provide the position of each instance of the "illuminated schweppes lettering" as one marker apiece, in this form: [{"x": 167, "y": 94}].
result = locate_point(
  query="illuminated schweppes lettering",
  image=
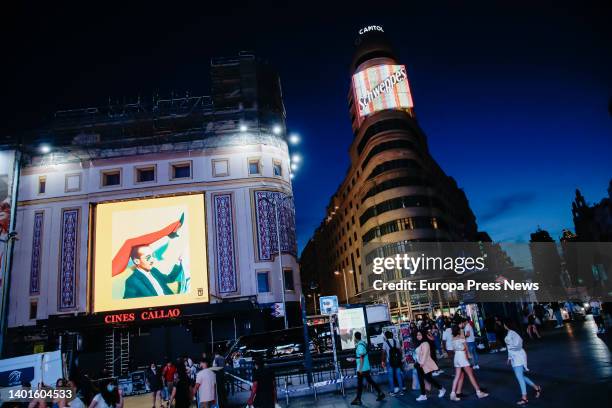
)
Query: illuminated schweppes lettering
[
  {"x": 367, "y": 29},
  {"x": 384, "y": 87}
]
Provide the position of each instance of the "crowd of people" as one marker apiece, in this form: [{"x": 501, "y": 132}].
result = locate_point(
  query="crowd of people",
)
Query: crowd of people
[{"x": 452, "y": 338}]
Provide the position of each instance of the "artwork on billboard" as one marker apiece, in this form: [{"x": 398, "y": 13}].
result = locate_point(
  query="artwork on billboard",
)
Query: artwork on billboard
[
  {"x": 149, "y": 253},
  {"x": 381, "y": 87},
  {"x": 7, "y": 163},
  {"x": 349, "y": 322}
]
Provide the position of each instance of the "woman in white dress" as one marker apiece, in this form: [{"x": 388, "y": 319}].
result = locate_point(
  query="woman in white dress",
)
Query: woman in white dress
[
  {"x": 518, "y": 359},
  {"x": 462, "y": 364}
]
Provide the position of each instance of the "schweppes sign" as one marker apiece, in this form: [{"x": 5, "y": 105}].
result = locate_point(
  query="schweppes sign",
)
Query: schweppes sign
[{"x": 142, "y": 316}]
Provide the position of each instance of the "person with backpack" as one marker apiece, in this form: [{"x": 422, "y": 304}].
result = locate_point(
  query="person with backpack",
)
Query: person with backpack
[
  {"x": 363, "y": 370},
  {"x": 392, "y": 361}
]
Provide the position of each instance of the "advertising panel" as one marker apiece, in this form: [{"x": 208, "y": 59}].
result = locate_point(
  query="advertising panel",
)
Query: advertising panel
[
  {"x": 349, "y": 322},
  {"x": 149, "y": 253},
  {"x": 381, "y": 87}
]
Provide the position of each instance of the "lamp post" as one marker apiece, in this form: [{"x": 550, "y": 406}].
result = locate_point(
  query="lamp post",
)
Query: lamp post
[
  {"x": 345, "y": 287},
  {"x": 274, "y": 203}
]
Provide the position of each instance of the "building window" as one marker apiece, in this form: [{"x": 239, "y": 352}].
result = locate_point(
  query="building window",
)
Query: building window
[
  {"x": 263, "y": 283},
  {"x": 289, "y": 279},
  {"x": 33, "y": 309},
  {"x": 220, "y": 167},
  {"x": 180, "y": 170},
  {"x": 42, "y": 184},
  {"x": 72, "y": 183},
  {"x": 111, "y": 178},
  {"x": 254, "y": 167},
  {"x": 277, "y": 168},
  {"x": 145, "y": 174}
]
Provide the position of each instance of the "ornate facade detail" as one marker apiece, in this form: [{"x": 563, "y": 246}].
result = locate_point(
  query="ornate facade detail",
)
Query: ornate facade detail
[
  {"x": 68, "y": 259},
  {"x": 227, "y": 281},
  {"x": 36, "y": 253},
  {"x": 267, "y": 245}
]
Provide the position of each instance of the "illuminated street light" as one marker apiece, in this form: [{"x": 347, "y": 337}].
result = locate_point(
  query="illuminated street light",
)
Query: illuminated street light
[
  {"x": 276, "y": 130},
  {"x": 337, "y": 273},
  {"x": 243, "y": 128},
  {"x": 294, "y": 166},
  {"x": 294, "y": 138},
  {"x": 44, "y": 148},
  {"x": 296, "y": 158}
]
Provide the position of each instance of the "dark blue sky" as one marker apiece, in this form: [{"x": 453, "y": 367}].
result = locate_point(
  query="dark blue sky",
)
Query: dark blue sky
[{"x": 513, "y": 96}]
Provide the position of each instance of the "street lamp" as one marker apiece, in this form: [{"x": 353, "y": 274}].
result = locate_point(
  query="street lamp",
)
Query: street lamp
[
  {"x": 278, "y": 243},
  {"x": 344, "y": 279}
]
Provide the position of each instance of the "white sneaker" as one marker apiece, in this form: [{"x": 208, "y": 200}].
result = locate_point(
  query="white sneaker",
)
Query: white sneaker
[
  {"x": 435, "y": 374},
  {"x": 502, "y": 349},
  {"x": 422, "y": 398},
  {"x": 476, "y": 367},
  {"x": 442, "y": 392},
  {"x": 481, "y": 394},
  {"x": 396, "y": 390},
  {"x": 453, "y": 397}
]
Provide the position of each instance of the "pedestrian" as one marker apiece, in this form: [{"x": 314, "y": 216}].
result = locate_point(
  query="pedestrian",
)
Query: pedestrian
[
  {"x": 447, "y": 338},
  {"x": 392, "y": 360},
  {"x": 462, "y": 364},
  {"x": 168, "y": 379},
  {"x": 263, "y": 390},
  {"x": 363, "y": 370},
  {"x": 470, "y": 341},
  {"x": 181, "y": 392},
  {"x": 153, "y": 378},
  {"x": 500, "y": 333},
  {"x": 219, "y": 370},
  {"x": 205, "y": 385},
  {"x": 109, "y": 396},
  {"x": 556, "y": 308},
  {"x": 532, "y": 329},
  {"x": 517, "y": 358},
  {"x": 429, "y": 337},
  {"x": 425, "y": 367}
]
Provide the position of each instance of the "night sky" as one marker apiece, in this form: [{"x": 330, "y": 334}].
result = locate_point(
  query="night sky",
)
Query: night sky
[{"x": 513, "y": 96}]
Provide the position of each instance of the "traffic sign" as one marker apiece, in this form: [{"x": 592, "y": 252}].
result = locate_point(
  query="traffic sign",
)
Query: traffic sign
[{"x": 328, "y": 304}]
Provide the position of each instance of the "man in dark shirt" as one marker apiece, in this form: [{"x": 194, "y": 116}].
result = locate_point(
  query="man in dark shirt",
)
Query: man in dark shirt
[{"x": 263, "y": 391}]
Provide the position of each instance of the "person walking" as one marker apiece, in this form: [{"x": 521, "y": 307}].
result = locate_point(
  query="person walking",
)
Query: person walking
[
  {"x": 363, "y": 370},
  {"x": 263, "y": 390},
  {"x": 425, "y": 367},
  {"x": 597, "y": 315},
  {"x": 556, "y": 308},
  {"x": 462, "y": 364},
  {"x": 517, "y": 358},
  {"x": 181, "y": 392},
  {"x": 206, "y": 386},
  {"x": 168, "y": 379},
  {"x": 532, "y": 328},
  {"x": 153, "y": 378},
  {"x": 470, "y": 341},
  {"x": 392, "y": 360}
]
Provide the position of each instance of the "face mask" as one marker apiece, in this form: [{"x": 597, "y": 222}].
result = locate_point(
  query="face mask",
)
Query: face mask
[{"x": 110, "y": 387}]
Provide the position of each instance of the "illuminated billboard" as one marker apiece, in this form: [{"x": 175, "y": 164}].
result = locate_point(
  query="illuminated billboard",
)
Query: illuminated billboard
[
  {"x": 149, "y": 253},
  {"x": 349, "y": 322},
  {"x": 381, "y": 87}
]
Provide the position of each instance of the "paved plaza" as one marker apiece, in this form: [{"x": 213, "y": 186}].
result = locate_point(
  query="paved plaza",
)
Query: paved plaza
[{"x": 572, "y": 364}]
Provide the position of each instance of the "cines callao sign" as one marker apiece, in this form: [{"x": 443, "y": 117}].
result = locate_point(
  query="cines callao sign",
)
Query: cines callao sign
[{"x": 142, "y": 316}]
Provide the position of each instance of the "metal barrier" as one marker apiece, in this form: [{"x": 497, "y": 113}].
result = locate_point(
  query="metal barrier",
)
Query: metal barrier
[{"x": 290, "y": 373}]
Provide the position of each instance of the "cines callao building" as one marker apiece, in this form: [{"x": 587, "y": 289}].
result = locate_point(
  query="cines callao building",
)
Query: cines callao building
[{"x": 148, "y": 230}]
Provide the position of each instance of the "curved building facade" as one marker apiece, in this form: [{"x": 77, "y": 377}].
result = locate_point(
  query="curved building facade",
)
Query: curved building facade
[{"x": 394, "y": 192}]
